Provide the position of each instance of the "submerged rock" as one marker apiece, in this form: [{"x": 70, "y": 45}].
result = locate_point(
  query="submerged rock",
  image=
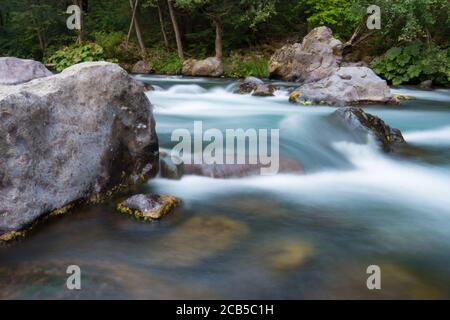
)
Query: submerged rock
[
  {"x": 16, "y": 71},
  {"x": 317, "y": 57},
  {"x": 346, "y": 86},
  {"x": 356, "y": 120},
  {"x": 209, "y": 67},
  {"x": 148, "y": 206},
  {"x": 168, "y": 169},
  {"x": 224, "y": 171},
  {"x": 141, "y": 67},
  {"x": 255, "y": 86},
  {"x": 290, "y": 255},
  {"x": 69, "y": 137},
  {"x": 198, "y": 238}
]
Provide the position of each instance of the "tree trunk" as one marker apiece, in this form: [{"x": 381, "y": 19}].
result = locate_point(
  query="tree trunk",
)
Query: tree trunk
[
  {"x": 130, "y": 29},
  {"x": 176, "y": 30},
  {"x": 80, "y": 38},
  {"x": 134, "y": 19},
  {"x": 163, "y": 30},
  {"x": 41, "y": 42},
  {"x": 219, "y": 33}
]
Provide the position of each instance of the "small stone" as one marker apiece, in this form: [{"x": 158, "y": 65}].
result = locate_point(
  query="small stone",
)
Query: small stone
[
  {"x": 265, "y": 90},
  {"x": 148, "y": 207}
]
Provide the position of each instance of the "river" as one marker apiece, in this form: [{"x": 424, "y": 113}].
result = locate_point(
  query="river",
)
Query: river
[{"x": 287, "y": 236}]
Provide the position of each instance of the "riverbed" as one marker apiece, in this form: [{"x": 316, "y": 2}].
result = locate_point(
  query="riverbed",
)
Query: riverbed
[{"x": 289, "y": 236}]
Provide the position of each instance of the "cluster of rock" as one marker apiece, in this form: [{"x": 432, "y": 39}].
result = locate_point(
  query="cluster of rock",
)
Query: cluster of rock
[
  {"x": 317, "y": 64},
  {"x": 69, "y": 137}
]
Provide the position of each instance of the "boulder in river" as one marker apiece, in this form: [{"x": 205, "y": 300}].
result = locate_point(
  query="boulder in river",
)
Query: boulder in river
[
  {"x": 426, "y": 85},
  {"x": 209, "y": 67},
  {"x": 356, "y": 120},
  {"x": 168, "y": 169},
  {"x": 317, "y": 57},
  {"x": 16, "y": 71},
  {"x": 229, "y": 171},
  {"x": 148, "y": 206},
  {"x": 254, "y": 86},
  {"x": 69, "y": 137},
  {"x": 346, "y": 86},
  {"x": 141, "y": 67}
]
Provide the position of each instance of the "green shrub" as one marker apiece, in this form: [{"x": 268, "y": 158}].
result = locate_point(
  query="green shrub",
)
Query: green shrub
[
  {"x": 74, "y": 54},
  {"x": 414, "y": 63},
  {"x": 161, "y": 61},
  {"x": 241, "y": 66},
  {"x": 113, "y": 44},
  {"x": 110, "y": 42}
]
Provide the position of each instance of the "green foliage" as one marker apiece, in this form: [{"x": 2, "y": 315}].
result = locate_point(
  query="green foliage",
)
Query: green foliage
[
  {"x": 339, "y": 15},
  {"x": 110, "y": 42},
  {"x": 74, "y": 54},
  {"x": 413, "y": 63},
  {"x": 162, "y": 62},
  {"x": 240, "y": 66},
  {"x": 113, "y": 44}
]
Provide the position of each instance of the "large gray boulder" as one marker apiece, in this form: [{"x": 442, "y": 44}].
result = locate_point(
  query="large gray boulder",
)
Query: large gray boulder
[
  {"x": 69, "y": 137},
  {"x": 317, "y": 57},
  {"x": 346, "y": 86},
  {"x": 15, "y": 70},
  {"x": 209, "y": 67}
]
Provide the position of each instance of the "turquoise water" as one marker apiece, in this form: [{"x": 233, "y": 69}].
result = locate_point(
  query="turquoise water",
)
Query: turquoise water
[{"x": 267, "y": 237}]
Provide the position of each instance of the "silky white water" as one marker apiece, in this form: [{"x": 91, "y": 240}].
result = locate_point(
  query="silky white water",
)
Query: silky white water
[{"x": 309, "y": 235}]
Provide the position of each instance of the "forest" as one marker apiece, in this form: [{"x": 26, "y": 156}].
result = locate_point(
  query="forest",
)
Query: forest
[{"x": 412, "y": 44}]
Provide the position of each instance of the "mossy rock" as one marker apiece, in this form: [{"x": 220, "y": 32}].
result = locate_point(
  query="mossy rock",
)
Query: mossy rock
[
  {"x": 148, "y": 207},
  {"x": 402, "y": 97}
]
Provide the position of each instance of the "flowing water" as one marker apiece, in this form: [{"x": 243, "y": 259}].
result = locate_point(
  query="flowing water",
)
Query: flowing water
[{"x": 287, "y": 236}]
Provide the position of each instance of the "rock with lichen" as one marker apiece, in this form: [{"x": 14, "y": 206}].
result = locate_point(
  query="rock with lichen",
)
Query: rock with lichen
[
  {"x": 148, "y": 206},
  {"x": 356, "y": 121}
]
